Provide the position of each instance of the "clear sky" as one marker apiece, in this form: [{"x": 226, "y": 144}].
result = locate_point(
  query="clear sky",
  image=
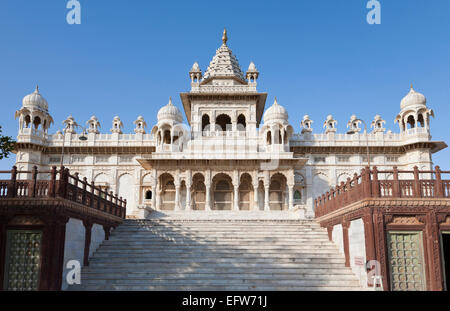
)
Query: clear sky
[{"x": 317, "y": 57}]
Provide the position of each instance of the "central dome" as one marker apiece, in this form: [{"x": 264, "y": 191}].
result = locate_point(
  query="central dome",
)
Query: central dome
[
  {"x": 35, "y": 100},
  {"x": 412, "y": 99},
  {"x": 276, "y": 113},
  {"x": 170, "y": 112}
]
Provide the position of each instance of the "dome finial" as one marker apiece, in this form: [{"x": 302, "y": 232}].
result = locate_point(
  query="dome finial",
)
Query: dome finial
[
  {"x": 37, "y": 89},
  {"x": 224, "y": 37},
  {"x": 412, "y": 86}
]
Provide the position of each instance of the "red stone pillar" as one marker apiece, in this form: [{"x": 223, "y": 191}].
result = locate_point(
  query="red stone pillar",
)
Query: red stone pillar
[
  {"x": 434, "y": 265},
  {"x": 345, "y": 226},
  {"x": 87, "y": 242},
  {"x": 381, "y": 247},
  {"x": 438, "y": 190}
]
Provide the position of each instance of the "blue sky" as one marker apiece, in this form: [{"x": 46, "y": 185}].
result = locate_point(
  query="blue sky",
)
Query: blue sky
[{"x": 317, "y": 57}]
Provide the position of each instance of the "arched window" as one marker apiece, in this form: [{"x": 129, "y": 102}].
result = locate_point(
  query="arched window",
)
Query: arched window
[
  {"x": 205, "y": 121},
  {"x": 223, "y": 120},
  {"x": 297, "y": 195},
  {"x": 148, "y": 195},
  {"x": 241, "y": 124}
]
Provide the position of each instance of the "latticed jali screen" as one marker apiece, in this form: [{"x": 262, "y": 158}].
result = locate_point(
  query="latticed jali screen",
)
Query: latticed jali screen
[
  {"x": 23, "y": 260},
  {"x": 406, "y": 261}
]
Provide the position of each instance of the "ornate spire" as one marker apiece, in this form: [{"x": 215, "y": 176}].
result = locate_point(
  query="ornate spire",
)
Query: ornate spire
[
  {"x": 224, "y": 37},
  {"x": 36, "y": 91}
]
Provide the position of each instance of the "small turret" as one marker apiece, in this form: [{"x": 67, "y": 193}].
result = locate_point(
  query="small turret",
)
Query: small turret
[
  {"x": 330, "y": 125},
  {"x": 414, "y": 112},
  {"x": 117, "y": 125}
]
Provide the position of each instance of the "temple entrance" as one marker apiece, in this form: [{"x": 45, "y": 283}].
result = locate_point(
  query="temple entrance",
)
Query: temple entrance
[
  {"x": 445, "y": 239},
  {"x": 223, "y": 192}
]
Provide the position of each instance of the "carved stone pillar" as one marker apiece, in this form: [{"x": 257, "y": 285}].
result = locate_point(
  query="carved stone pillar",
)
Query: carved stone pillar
[
  {"x": 236, "y": 198},
  {"x": 188, "y": 182},
  {"x": 208, "y": 190},
  {"x": 291, "y": 197},
  {"x": 154, "y": 189},
  {"x": 177, "y": 197},
  {"x": 158, "y": 198},
  {"x": 208, "y": 196},
  {"x": 236, "y": 190},
  {"x": 266, "y": 198},
  {"x": 256, "y": 197}
]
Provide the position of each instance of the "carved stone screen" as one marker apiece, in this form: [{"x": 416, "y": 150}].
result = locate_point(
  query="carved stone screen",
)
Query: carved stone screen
[
  {"x": 23, "y": 260},
  {"x": 406, "y": 261}
]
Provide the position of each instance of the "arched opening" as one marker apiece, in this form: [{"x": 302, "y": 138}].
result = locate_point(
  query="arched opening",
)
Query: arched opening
[
  {"x": 36, "y": 122},
  {"x": 411, "y": 122},
  {"x": 167, "y": 192},
  {"x": 223, "y": 196},
  {"x": 245, "y": 192},
  {"x": 205, "y": 122},
  {"x": 269, "y": 138},
  {"x": 166, "y": 137},
  {"x": 421, "y": 120},
  {"x": 224, "y": 121},
  {"x": 241, "y": 124},
  {"x": 277, "y": 194},
  {"x": 148, "y": 195},
  {"x": 198, "y": 192},
  {"x": 27, "y": 121}
]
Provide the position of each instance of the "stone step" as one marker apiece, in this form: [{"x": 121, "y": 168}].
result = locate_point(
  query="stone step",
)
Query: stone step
[
  {"x": 155, "y": 264},
  {"x": 119, "y": 247},
  {"x": 120, "y": 271},
  {"x": 211, "y": 288},
  {"x": 215, "y": 252},
  {"x": 214, "y": 276},
  {"x": 207, "y": 259},
  {"x": 222, "y": 282},
  {"x": 220, "y": 236}
]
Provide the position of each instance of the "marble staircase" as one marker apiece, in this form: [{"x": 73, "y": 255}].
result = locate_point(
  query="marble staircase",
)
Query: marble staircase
[{"x": 176, "y": 253}]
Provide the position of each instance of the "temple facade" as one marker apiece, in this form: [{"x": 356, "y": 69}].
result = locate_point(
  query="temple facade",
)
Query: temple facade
[{"x": 228, "y": 152}]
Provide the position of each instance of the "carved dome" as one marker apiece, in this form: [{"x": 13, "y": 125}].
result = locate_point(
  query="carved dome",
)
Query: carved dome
[
  {"x": 35, "y": 100},
  {"x": 275, "y": 113},
  {"x": 413, "y": 99},
  {"x": 170, "y": 112}
]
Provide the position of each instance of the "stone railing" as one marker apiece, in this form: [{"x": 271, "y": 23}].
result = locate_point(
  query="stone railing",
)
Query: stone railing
[
  {"x": 368, "y": 185},
  {"x": 224, "y": 89},
  {"x": 61, "y": 184}
]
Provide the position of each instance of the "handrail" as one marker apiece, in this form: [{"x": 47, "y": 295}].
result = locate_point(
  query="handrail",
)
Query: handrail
[
  {"x": 67, "y": 186},
  {"x": 368, "y": 185}
]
